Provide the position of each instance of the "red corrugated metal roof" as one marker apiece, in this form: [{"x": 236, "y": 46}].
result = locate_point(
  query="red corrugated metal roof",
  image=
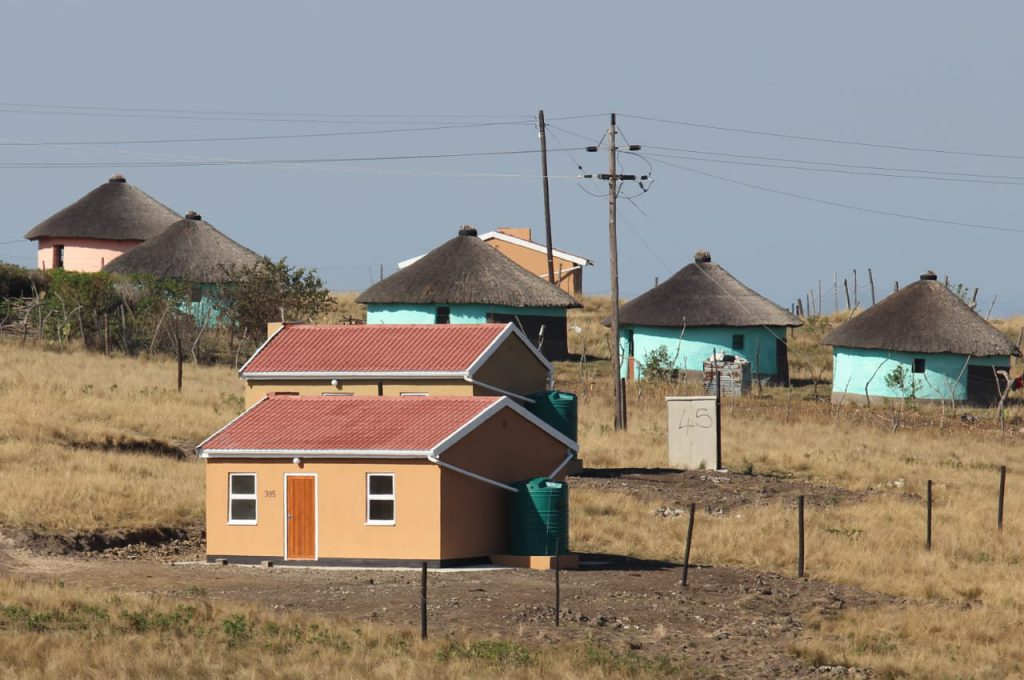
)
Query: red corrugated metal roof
[
  {"x": 291, "y": 423},
  {"x": 375, "y": 348}
]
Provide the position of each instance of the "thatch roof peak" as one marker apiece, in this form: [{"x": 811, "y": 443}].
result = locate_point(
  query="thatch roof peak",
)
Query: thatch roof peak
[
  {"x": 191, "y": 249},
  {"x": 465, "y": 270},
  {"x": 703, "y": 294},
  {"x": 115, "y": 211},
  {"x": 924, "y": 317}
]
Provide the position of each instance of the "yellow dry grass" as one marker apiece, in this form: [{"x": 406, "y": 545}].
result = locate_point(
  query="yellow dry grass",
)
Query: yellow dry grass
[
  {"x": 962, "y": 606},
  {"x": 50, "y": 631},
  {"x": 62, "y": 416}
]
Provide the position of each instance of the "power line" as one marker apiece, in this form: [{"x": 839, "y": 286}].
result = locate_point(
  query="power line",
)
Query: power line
[
  {"x": 310, "y": 135},
  {"x": 934, "y": 177},
  {"x": 828, "y": 140},
  {"x": 848, "y": 206},
  {"x": 257, "y": 162},
  {"x": 884, "y": 168}
]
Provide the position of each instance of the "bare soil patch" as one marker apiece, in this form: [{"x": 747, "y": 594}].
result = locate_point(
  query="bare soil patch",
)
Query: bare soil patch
[
  {"x": 713, "y": 492},
  {"x": 727, "y": 623}
]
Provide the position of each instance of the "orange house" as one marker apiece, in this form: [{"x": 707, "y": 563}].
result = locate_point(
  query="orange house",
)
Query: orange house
[
  {"x": 395, "y": 360},
  {"x": 107, "y": 222},
  {"x": 372, "y": 481},
  {"x": 517, "y": 245}
]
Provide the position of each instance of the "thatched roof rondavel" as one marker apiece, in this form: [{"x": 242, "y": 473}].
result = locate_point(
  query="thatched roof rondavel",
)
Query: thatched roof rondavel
[
  {"x": 465, "y": 270},
  {"x": 925, "y": 317},
  {"x": 114, "y": 211},
  {"x": 189, "y": 250},
  {"x": 703, "y": 294}
]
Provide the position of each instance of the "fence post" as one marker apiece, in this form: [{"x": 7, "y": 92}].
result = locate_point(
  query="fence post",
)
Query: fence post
[
  {"x": 689, "y": 542},
  {"x": 928, "y": 535},
  {"x": 558, "y": 581},
  {"x": 423, "y": 601},
  {"x": 718, "y": 418},
  {"x": 1002, "y": 494},
  {"x": 800, "y": 531},
  {"x": 625, "y": 416}
]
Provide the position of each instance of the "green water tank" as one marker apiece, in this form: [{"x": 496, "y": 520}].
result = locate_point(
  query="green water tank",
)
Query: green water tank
[
  {"x": 539, "y": 518},
  {"x": 557, "y": 409}
]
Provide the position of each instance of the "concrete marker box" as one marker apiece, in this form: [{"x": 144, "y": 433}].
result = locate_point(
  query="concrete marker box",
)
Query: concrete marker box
[{"x": 692, "y": 433}]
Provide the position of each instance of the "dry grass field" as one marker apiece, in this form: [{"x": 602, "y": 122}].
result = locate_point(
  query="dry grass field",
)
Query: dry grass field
[
  {"x": 82, "y": 434},
  {"x": 92, "y": 442},
  {"x": 51, "y": 631}
]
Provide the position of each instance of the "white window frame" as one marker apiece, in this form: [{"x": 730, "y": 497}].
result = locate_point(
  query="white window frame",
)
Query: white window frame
[
  {"x": 381, "y": 497},
  {"x": 254, "y": 496},
  {"x": 414, "y": 394},
  {"x": 337, "y": 394}
]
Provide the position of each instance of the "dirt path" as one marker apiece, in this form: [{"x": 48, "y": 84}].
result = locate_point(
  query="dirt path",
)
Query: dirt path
[{"x": 729, "y": 623}]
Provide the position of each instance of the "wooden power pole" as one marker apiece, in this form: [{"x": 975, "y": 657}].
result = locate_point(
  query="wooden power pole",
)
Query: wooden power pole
[
  {"x": 614, "y": 178},
  {"x": 613, "y": 261},
  {"x": 547, "y": 194}
]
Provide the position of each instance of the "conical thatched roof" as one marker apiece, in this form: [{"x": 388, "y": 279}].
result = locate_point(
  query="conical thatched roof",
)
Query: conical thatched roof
[
  {"x": 190, "y": 250},
  {"x": 115, "y": 211},
  {"x": 465, "y": 270},
  {"x": 703, "y": 294},
  {"x": 924, "y": 317}
]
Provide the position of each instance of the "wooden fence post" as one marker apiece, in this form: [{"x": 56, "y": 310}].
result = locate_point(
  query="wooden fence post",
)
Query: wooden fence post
[
  {"x": 928, "y": 535},
  {"x": 558, "y": 581},
  {"x": 800, "y": 531},
  {"x": 1002, "y": 494},
  {"x": 689, "y": 542},
  {"x": 423, "y": 601}
]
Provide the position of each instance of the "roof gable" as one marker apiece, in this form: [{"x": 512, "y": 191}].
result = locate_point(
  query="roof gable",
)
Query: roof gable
[
  {"x": 359, "y": 426},
  {"x": 465, "y": 270},
  {"x": 114, "y": 211},
  {"x": 703, "y": 294},
  {"x": 380, "y": 349},
  {"x": 923, "y": 317}
]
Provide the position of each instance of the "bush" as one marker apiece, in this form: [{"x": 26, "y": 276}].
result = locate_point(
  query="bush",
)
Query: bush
[{"x": 273, "y": 291}]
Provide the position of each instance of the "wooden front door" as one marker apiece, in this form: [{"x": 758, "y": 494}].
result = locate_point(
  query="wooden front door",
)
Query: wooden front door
[{"x": 300, "y": 522}]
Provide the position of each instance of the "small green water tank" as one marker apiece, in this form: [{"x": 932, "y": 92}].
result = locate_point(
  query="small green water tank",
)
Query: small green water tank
[
  {"x": 539, "y": 518},
  {"x": 557, "y": 409}
]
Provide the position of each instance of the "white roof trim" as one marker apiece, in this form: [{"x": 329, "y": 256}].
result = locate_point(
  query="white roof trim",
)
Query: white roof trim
[
  {"x": 510, "y": 329},
  {"x": 575, "y": 259},
  {"x": 313, "y": 453},
  {"x": 356, "y": 375},
  {"x": 436, "y": 451},
  {"x": 241, "y": 371},
  {"x": 231, "y": 422},
  {"x": 538, "y": 247},
  {"x": 503, "y": 402}
]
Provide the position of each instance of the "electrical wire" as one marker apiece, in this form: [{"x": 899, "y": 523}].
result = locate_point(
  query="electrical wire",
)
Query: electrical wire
[
  {"x": 884, "y": 168},
  {"x": 310, "y": 135},
  {"x": 933, "y": 177},
  {"x": 258, "y": 162},
  {"x": 828, "y": 140},
  {"x": 848, "y": 206}
]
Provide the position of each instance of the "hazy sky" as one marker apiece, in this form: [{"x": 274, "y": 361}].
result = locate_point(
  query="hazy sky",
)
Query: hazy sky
[{"x": 933, "y": 75}]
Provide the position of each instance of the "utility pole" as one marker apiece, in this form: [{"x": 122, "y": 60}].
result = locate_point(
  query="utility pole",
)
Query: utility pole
[
  {"x": 614, "y": 178},
  {"x": 613, "y": 260},
  {"x": 547, "y": 194}
]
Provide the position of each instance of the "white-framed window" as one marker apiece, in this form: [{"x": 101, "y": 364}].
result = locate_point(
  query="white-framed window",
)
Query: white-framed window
[
  {"x": 380, "y": 498},
  {"x": 337, "y": 394},
  {"x": 414, "y": 394},
  {"x": 242, "y": 498}
]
